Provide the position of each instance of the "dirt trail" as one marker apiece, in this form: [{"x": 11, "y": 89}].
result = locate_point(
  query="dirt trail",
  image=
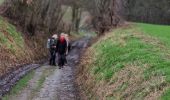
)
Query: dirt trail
[
  {"x": 30, "y": 91},
  {"x": 59, "y": 83}
]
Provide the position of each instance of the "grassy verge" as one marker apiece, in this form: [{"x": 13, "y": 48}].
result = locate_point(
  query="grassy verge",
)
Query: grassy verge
[
  {"x": 21, "y": 84},
  {"x": 130, "y": 62}
]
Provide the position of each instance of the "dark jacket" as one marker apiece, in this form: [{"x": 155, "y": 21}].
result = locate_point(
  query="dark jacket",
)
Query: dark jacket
[
  {"x": 53, "y": 44},
  {"x": 61, "y": 46}
]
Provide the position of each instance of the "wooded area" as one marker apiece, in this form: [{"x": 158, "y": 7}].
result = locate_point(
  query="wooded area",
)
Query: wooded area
[
  {"x": 112, "y": 51},
  {"x": 149, "y": 11},
  {"x": 46, "y": 15}
]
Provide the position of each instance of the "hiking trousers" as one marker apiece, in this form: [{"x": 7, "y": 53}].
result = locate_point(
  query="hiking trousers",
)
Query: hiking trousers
[
  {"x": 61, "y": 60},
  {"x": 53, "y": 57}
]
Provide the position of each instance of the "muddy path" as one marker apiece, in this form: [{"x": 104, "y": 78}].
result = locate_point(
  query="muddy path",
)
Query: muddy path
[{"x": 58, "y": 84}]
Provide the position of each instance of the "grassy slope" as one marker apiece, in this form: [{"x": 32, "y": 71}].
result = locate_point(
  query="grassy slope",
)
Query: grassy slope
[
  {"x": 9, "y": 37},
  {"x": 130, "y": 62},
  {"x": 163, "y": 34},
  {"x": 11, "y": 46},
  {"x": 16, "y": 48}
]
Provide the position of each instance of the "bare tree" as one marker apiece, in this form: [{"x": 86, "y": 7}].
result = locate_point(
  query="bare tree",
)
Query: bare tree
[
  {"x": 106, "y": 13},
  {"x": 47, "y": 15},
  {"x": 35, "y": 15}
]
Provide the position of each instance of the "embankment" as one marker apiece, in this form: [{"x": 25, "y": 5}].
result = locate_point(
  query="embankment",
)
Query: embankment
[
  {"x": 131, "y": 62},
  {"x": 19, "y": 49}
]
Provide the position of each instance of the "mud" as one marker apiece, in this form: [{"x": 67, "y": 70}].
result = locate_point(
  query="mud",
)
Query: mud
[
  {"x": 58, "y": 85},
  {"x": 10, "y": 79},
  {"x": 61, "y": 84}
]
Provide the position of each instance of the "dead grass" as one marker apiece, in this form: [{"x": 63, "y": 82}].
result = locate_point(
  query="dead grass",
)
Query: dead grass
[
  {"x": 19, "y": 49},
  {"x": 85, "y": 80},
  {"x": 127, "y": 84}
]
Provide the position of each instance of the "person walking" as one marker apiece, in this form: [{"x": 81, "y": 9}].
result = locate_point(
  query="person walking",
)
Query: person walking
[
  {"x": 68, "y": 46},
  {"x": 53, "y": 49},
  {"x": 68, "y": 43},
  {"x": 61, "y": 49}
]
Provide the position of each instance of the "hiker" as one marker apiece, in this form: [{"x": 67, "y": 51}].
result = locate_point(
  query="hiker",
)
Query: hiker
[
  {"x": 52, "y": 45},
  {"x": 61, "y": 48},
  {"x": 68, "y": 45}
]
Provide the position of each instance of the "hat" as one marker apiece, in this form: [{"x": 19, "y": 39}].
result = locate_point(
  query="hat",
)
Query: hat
[
  {"x": 62, "y": 34},
  {"x": 55, "y": 36}
]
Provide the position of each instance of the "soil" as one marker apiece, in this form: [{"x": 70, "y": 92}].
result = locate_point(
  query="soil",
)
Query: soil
[{"x": 59, "y": 84}]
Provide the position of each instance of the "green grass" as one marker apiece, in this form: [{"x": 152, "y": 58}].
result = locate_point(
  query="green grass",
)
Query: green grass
[
  {"x": 16, "y": 35},
  {"x": 9, "y": 37},
  {"x": 160, "y": 31},
  {"x": 40, "y": 82},
  {"x": 3, "y": 39},
  {"x": 166, "y": 95},
  {"x": 111, "y": 55},
  {"x": 21, "y": 84}
]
